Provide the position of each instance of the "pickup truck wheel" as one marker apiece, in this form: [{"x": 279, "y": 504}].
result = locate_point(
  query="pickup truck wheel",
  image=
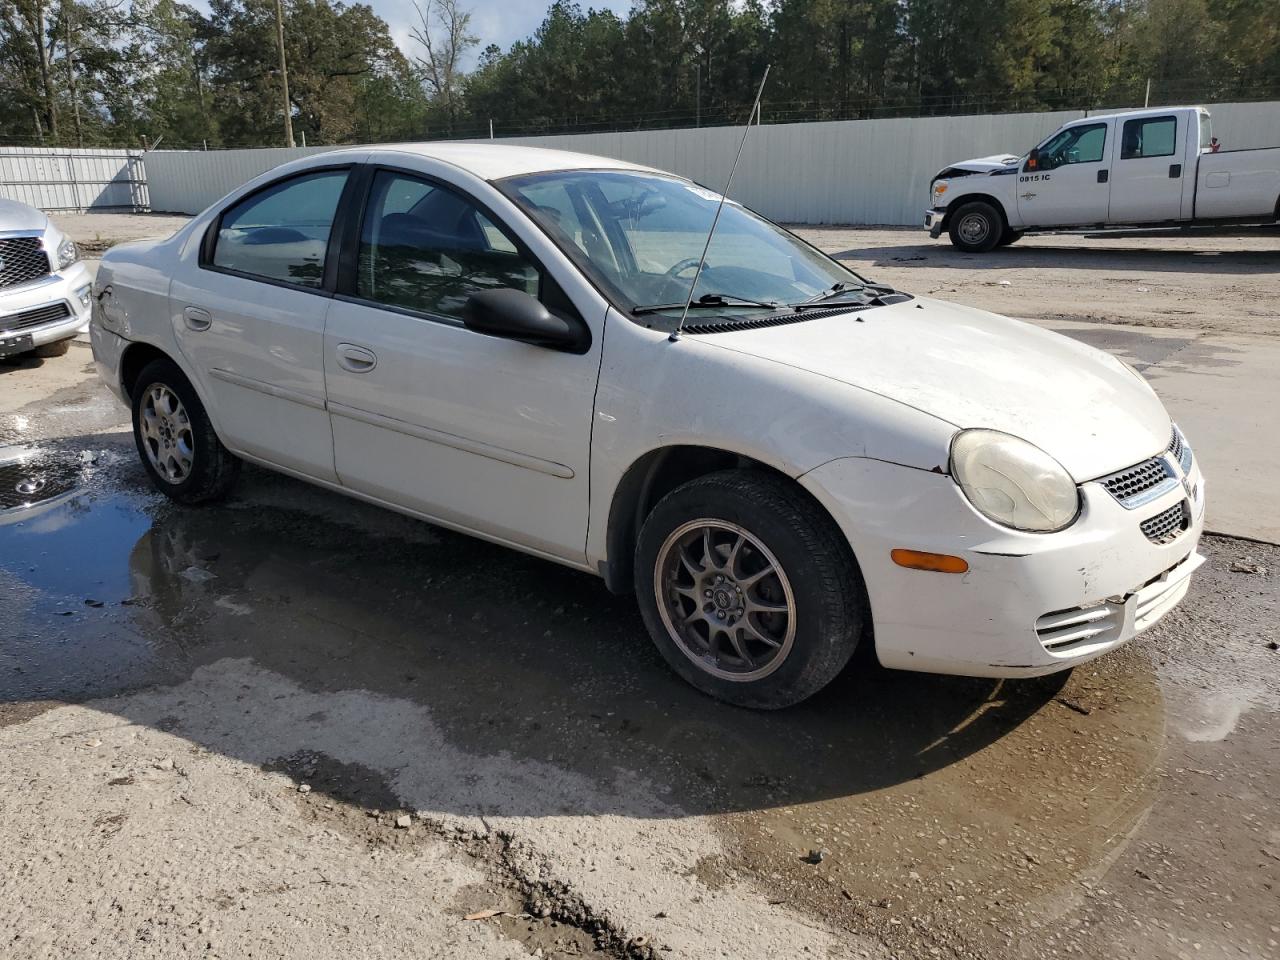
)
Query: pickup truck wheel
[
  {"x": 176, "y": 442},
  {"x": 1010, "y": 236},
  {"x": 976, "y": 227},
  {"x": 749, "y": 590}
]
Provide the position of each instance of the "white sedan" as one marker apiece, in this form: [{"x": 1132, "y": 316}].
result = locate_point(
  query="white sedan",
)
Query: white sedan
[
  {"x": 44, "y": 286},
  {"x": 482, "y": 336}
]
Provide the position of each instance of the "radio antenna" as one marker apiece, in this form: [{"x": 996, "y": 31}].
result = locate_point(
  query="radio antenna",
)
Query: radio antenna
[{"x": 675, "y": 334}]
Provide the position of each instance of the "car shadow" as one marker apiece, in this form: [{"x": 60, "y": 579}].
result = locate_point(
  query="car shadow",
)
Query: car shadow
[{"x": 292, "y": 623}]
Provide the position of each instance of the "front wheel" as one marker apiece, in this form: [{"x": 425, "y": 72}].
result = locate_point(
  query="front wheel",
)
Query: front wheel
[
  {"x": 748, "y": 588},
  {"x": 976, "y": 227},
  {"x": 176, "y": 442}
]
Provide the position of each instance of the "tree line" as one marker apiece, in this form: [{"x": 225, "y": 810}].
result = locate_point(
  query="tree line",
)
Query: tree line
[{"x": 148, "y": 72}]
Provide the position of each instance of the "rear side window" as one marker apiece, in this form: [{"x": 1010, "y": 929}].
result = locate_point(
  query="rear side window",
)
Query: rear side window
[
  {"x": 282, "y": 232},
  {"x": 1151, "y": 137},
  {"x": 426, "y": 248}
]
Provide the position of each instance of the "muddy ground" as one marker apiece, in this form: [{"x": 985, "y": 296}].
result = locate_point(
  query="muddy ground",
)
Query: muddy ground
[{"x": 295, "y": 725}]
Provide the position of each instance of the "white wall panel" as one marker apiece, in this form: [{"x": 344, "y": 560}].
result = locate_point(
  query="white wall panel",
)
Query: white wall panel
[{"x": 848, "y": 171}]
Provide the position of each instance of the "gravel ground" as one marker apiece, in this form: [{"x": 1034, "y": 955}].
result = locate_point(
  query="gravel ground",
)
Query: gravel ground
[{"x": 213, "y": 723}]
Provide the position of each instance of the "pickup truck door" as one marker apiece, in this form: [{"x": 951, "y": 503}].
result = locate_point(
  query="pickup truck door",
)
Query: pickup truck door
[
  {"x": 485, "y": 434},
  {"x": 1065, "y": 182},
  {"x": 1148, "y": 172}
]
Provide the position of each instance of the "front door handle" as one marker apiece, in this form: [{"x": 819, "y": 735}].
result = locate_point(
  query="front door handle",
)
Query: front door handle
[
  {"x": 197, "y": 318},
  {"x": 1175, "y": 171},
  {"x": 356, "y": 359},
  {"x": 1104, "y": 176}
]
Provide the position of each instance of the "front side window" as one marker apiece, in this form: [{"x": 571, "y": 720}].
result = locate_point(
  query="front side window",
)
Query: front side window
[
  {"x": 640, "y": 235},
  {"x": 425, "y": 248},
  {"x": 1083, "y": 144},
  {"x": 282, "y": 232},
  {"x": 1153, "y": 137}
]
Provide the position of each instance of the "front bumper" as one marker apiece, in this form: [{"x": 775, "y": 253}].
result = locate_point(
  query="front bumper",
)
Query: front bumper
[
  {"x": 27, "y": 301},
  {"x": 933, "y": 218},
  {"x": 1030, "y": 604}
]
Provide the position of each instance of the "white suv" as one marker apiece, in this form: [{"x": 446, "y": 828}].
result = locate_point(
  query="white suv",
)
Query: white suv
[{"x": 44, "y": 286}]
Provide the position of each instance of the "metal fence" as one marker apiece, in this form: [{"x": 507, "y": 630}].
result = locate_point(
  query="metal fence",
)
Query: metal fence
[
  {"x": 74, "y": 181},
  {"x": 842, "y": 171}
]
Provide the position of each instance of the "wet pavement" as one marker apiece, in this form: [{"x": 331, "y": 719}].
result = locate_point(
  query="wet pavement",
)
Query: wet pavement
[{"x": 1125, "y": 810}]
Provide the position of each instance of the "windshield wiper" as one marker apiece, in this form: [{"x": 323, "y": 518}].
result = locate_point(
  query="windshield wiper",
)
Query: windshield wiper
[
  {"x": 709, "y": 301},
  {"x": 840, "y": 289}
]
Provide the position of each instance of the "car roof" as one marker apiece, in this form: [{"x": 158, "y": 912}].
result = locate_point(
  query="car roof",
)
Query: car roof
[
  {"x": 1145, "y": 112},
  {"x": 496, "y": 161}
]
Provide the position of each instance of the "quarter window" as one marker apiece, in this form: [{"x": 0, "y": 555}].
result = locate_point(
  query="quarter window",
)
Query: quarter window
[
  {"x": 282, "y": 232},
  {"x": 1154, "y": 137},
  {"x": 426, "y": 248}
]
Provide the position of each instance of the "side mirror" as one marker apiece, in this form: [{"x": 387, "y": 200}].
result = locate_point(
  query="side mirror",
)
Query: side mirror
[
  {"x": 1033, "y": 161},
  {"x": 515, "y": 315}
]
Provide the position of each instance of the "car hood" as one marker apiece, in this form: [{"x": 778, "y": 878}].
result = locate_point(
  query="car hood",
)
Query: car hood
[
  {"x": 977, "y": 369},
  {"x": 999, "y": 161},
  {"x": 19, "y": 216}
]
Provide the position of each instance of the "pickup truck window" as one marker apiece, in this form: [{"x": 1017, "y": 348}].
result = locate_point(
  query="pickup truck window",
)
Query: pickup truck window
[
  {"x": 1149, "y": 137},
  {"x": 1082, "y": 144}
]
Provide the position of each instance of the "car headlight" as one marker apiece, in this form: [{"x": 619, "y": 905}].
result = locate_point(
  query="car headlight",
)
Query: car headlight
[
  {"x": 939, "y": 188},
  {"x": 1014, "y": 482},
  {"x": 67, "y": 253}
]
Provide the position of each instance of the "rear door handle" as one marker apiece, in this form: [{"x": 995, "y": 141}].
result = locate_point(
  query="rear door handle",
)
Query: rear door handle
[
  {"x": 197, "y": 318},
  {"x": 356, "y": 359},
  {"x": 1175, "y": 171},
  {"x": 1104, "y": 176}
]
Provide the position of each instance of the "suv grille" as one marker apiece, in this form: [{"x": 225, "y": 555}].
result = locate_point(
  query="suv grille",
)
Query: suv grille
[
  {"x": 22, "y": 259},
  {"x": 1167, "y": 525},
  {"x": 34, "y": 318}
]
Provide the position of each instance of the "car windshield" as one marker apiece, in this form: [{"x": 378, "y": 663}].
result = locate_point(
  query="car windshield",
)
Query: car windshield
[{"x": 639, "y": 236}]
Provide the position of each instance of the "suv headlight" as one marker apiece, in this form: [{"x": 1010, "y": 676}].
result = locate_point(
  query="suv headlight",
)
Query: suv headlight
[
  {"x": 1014, "y": 482},
  {"x": 939, "y": 188},
  {"x": 67, "y": 253}
]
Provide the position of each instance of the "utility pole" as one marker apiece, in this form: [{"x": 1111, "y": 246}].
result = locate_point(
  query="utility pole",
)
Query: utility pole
[
  {"x": 697, "y": 72},
  {"x": 284, "y": 75}
]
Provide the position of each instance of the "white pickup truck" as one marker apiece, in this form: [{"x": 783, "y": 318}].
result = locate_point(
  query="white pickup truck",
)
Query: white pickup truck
[{"x": 1145, "y": 168}]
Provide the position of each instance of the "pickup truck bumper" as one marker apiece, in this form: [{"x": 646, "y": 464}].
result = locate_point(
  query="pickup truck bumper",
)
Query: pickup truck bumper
[{"x": 933, "y": 222}]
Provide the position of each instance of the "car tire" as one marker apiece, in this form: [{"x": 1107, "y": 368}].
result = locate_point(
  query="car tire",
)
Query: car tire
[
  {"x": 775, "y": 550},
  {"x": 1010, "y": 236},
  {"x": 976, "y": 227},
  {"x": 47, "y": 351},
  {"x": 176, "y": 442}
]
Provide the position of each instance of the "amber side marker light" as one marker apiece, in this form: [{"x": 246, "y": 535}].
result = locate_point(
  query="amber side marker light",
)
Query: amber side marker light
[{"x": 938, "y": 562}]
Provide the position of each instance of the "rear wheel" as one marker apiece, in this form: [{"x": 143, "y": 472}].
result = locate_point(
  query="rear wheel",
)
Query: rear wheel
[
  {"x": 176, "y": 442},
  {"x": 748, "y": 589},
  {"x": 976, "y": 227}
]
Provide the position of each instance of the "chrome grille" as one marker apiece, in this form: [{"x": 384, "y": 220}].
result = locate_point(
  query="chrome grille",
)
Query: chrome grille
[
  {"x": 22, "y": 259},
  {"x": 34, "y": 318},
  {"x": 1180, "y": 450},
  {"x": 1140, "y": 483},
  {"x": 1167, "y": 525}
]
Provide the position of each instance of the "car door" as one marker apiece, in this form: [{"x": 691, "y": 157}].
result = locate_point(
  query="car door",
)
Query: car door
[
  {"x": 1148, "y": 180},
  {"x": 249, "y": 317},
  {"x": 487, "y": 434},
  {"x": 1066, "y": 180}
]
